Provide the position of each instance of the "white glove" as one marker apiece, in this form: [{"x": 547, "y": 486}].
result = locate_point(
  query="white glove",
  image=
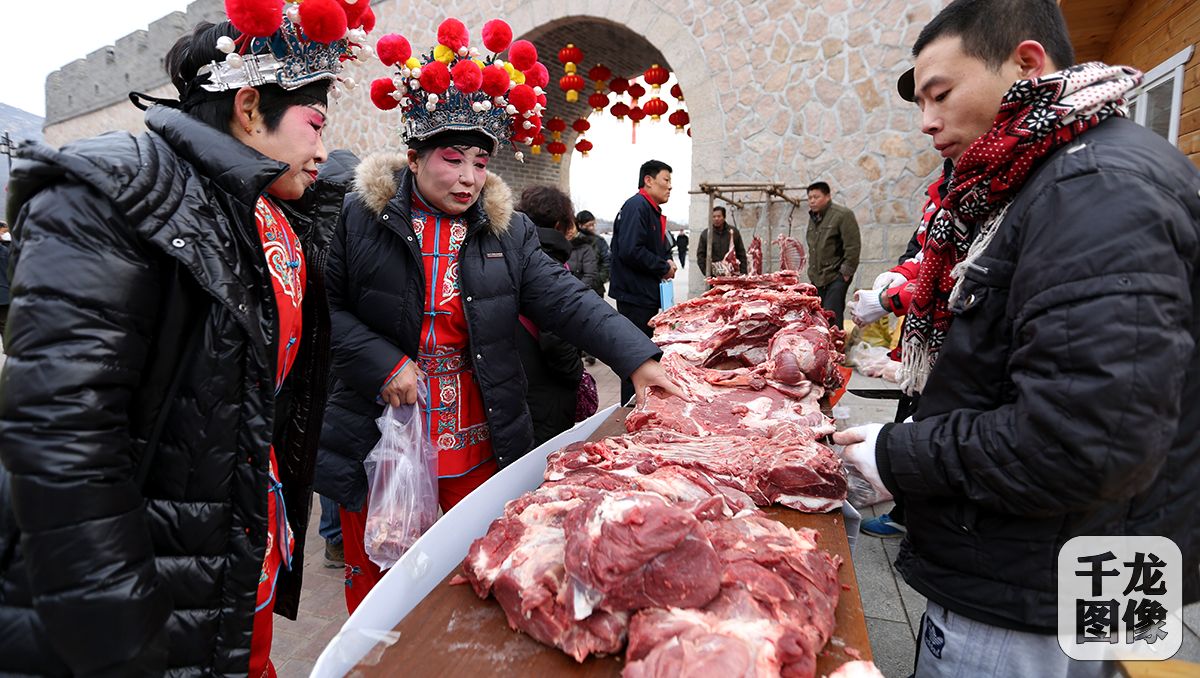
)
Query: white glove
[
  {"x": 858, "y": 455},
  {"x": 865, "y": 308},
  {"x": 887, "y": 280}
]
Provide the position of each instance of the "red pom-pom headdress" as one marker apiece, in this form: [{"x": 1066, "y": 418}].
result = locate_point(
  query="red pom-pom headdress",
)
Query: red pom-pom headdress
[
  {"x": 289, "y": 44},
  {"x": 454, "y": 87}
]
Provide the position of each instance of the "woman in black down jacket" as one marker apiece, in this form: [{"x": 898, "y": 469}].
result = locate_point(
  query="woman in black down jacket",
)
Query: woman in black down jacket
[
  {"x": 429, "y": 270},
  {"x": 553, "y": 367},
  {"x": 157, "y": 450}
]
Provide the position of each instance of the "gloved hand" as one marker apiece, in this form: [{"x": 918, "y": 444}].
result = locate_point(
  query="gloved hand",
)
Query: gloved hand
[
  {"x": 865, "y": 308},
  {"x": 887, "y": 280},
  {"x": 858, "y": 456}
]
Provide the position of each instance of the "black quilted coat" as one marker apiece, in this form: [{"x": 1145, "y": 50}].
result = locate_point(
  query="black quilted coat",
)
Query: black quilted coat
[
  {"x": 1066, "y": 397},
  {"x": 97, "y": 575},
  {"x": 376, "y": 293}
]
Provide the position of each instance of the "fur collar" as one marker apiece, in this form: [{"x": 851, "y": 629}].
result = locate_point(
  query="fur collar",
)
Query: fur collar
[{"x": 377, "y": 180}]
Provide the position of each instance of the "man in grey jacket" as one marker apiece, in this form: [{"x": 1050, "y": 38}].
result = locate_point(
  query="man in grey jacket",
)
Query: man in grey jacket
[{"x": 833, "y": 248}]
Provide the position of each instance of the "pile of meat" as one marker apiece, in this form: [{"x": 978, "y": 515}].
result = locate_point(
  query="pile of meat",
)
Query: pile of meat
[{"x": 652, "y": 542}]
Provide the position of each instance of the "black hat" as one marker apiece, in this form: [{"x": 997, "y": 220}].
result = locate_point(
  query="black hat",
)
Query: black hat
[{"x": 906, "y": 86}]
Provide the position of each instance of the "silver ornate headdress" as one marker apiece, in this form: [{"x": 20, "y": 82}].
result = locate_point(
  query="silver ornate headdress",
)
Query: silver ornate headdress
[{"x": 311, "y": 40}]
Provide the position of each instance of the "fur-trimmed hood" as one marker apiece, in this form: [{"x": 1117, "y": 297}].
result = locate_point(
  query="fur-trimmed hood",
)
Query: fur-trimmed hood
[{"x": 379, "y": 177}]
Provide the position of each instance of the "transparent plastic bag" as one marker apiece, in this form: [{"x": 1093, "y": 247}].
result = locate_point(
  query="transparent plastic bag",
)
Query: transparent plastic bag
[
  {"x": 859, "y": 491},
  {"x": 402, "y": 497}
]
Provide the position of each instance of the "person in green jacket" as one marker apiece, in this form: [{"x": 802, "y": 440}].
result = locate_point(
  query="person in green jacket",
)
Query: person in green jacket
[{"x": 833, "y": 248}]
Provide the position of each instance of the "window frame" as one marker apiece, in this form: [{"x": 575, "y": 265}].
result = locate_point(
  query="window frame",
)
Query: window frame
[{"x": 1167, "y": 74}]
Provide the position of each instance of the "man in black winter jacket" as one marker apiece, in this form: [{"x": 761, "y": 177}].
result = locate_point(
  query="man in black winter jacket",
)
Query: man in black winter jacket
[
  {"x": 641, "y": 251},
  {"x": 1065, "y": 396}
]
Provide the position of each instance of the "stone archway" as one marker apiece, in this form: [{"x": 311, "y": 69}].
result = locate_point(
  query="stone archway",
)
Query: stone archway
[
  {"x": 626, "y": 35},
  {"x": 602, "y": 41},
  {"x": 649, "y": 30}
]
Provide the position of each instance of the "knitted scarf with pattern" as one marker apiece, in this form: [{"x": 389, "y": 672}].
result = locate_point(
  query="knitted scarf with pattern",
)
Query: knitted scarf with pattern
[{"x": 1037, "y": 117}]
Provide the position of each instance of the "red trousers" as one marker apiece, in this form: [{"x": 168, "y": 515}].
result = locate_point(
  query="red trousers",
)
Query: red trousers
[{"x": 361, "y": 573}]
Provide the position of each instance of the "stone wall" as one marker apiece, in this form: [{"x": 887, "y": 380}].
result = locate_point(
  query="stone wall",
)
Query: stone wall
[{"x": 787, "y": 91}]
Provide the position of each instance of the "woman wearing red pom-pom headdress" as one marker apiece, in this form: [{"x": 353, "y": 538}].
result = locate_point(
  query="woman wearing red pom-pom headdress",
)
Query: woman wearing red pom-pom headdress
[
  {"x": 167, "y": 364},
  {"x": 433, "y": 234}
]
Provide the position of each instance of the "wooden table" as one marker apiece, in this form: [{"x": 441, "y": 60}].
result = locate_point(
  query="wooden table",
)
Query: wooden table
[{"x": 454, "y": 633}]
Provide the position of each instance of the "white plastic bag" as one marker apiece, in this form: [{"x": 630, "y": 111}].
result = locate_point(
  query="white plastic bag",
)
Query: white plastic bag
[
  {"x": 873, "y": 361},
  {"x": 402, "y": 496}
]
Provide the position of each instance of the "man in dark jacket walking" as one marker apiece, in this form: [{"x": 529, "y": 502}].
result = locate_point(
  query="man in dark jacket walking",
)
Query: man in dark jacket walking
[
  {"x": 833, "y": 248},
  {"x": 1065, "y": 398},
  {"x": 585, "y": 222},
  {"x": 641, "y": 255},
  {"x": 681, "y": 247}
]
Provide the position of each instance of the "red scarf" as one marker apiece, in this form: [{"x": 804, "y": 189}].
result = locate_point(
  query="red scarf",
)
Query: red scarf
[
  {"x": 662, "y": 218},
  {"x": 1037, "y": 117}
]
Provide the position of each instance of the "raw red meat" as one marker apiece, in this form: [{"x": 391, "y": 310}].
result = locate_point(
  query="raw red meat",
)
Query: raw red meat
[
  {"x": 520, "y": 562},
  {"x": 729, "y": 263},
  {"x": 754, "y": 256},
  {"x": 698, "y": 644},
  {"x": 737, "y": 325},
  {"x": 779, "y": 280},
  {"x": 801, "y": 353},
  {"x": 630, "y": 550},
  {"x": 791, "y": 253},
  {"x": 774, "y": 613},
  {"x": 677, "y": 484},
  {"x": 791, "y": 470},
  {"x": 713, "y": 408}
]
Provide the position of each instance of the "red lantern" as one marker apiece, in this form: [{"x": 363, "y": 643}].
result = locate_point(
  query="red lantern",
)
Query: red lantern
[
  {"x": 619, "y": 110},
  {"x": 636, "y": 91},
  {"x": 618, "y": 85},
  {"x": 569, "y": 56},
  {"x": 656, "y": 76},
  {"x": 583, "y": 146},
  {"x": 557, "y": 126},
  {"x": 636, "y": 114},
  {"x": 677, "y": 92},
  {"x": 571, "y": 84},
  {"x": 537, "y": 142},
  {"x": 600, "y": 74},
  {"x": 580, "y": 125},
  {"x": 679, "y": 119},
  {"x": 655, "y": 108},
  {"x": 557, "y": 148},
  {"x": 598, "y": 101}
]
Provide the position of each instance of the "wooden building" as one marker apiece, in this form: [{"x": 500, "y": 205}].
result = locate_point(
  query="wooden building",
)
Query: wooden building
[{"x": 1159, "y": 37}]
